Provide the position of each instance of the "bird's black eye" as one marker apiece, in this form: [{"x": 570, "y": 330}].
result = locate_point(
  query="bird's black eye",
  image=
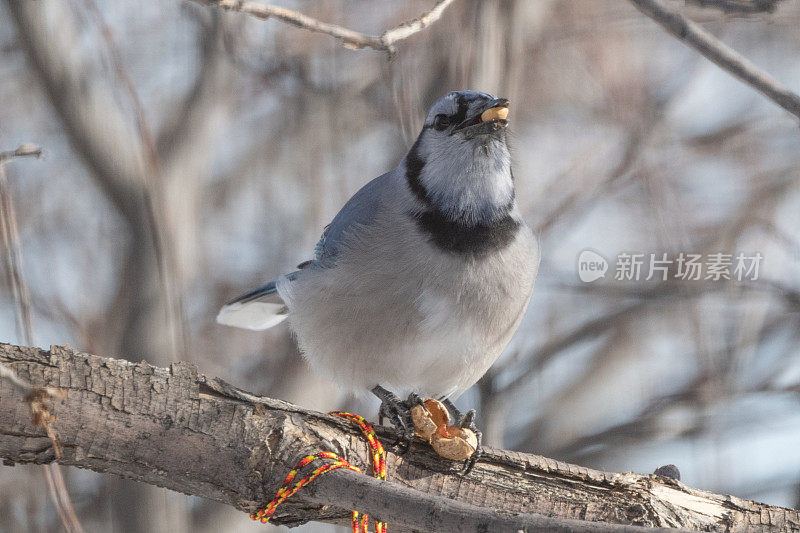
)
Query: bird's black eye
[{"x": 440, "y": 122}]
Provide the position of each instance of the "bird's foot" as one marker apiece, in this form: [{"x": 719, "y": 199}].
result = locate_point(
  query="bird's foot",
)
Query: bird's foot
[
  {"x": 398, "y": 412},
  {"x": 467, "y": 421}
]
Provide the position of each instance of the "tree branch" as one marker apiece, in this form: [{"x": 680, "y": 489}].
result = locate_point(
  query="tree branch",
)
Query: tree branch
[
  {"x": 178, "y": 429},
  {"x": 23, "y": 150},
  {"x": 739, "y": 7},
  {"x": 350, "y": 38},
  {"x": 725, "y": 57}
]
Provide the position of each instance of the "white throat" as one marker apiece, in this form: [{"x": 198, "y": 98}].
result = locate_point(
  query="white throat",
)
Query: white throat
[{"x": 467, "y": 181}]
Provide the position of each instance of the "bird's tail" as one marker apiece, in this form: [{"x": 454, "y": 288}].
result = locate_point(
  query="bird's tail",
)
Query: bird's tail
[{"x": 258, "y": 309}]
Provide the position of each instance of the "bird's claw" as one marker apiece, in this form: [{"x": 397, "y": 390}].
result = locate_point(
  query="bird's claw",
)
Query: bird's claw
[
  {"x": 468, "y": 422},
  {"x": 414, "y": 399},
  {"x": 398, "y": 412}
]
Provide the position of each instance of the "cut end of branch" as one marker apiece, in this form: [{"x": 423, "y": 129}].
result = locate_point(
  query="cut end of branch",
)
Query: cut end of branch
[{"x": 23, "y": 150}]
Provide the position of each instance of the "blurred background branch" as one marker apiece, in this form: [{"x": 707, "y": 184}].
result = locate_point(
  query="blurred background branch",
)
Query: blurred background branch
[
  {"x": 724, "y": 56},
  {"x": 350, "y": 39},
  {"x": 37, "y": 398},
  {"x": 740, "y": 7},
  {"x": 23, "y": 150}
]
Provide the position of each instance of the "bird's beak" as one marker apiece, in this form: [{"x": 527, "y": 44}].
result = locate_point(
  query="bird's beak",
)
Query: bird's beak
[
  {"x": 496, "y": 110},
  {"x": 493, "y": 115}
]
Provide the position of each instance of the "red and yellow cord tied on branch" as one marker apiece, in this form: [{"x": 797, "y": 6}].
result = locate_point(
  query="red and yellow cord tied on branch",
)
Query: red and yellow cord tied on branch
[{"x": 359, "y": 521}]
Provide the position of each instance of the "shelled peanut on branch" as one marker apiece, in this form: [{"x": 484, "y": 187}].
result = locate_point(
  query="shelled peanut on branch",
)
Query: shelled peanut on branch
[{"x": 432, "y": 424}]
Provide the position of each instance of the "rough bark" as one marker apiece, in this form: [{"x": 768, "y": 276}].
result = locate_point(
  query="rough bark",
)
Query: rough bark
[{"x": 176, "y": 428}]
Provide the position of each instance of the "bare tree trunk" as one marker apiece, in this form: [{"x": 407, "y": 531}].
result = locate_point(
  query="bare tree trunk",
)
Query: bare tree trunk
[{"x": 178, "y": 429}]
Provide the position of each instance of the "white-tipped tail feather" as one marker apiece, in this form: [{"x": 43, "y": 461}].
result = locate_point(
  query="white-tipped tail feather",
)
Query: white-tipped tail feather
[{"x": 252, "y": 315}]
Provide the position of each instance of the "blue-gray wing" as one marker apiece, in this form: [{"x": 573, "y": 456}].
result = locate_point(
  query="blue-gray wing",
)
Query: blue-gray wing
[{"x": 360, "y": 209}]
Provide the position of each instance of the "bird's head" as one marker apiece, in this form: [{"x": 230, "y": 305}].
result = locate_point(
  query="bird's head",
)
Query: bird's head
[
  {"x": 462, "y": 119},
  {"x": 460, "y": 162}
]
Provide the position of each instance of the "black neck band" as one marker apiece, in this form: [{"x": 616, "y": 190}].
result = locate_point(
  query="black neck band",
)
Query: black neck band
[{"x": 454, "y": 234}]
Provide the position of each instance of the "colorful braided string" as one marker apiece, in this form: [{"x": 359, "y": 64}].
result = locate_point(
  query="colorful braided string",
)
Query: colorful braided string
[{"x": 359, "y": 521}]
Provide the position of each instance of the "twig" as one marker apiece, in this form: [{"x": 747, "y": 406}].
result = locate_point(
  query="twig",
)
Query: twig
[
  {"x": 725, "y": 57},
  {"x": 23, "y": 150},
  {"x": 407, "y": 29},
  {"x": 739, "y": 7},
  {"x": 12, "y": 251},
  {"x": 39, "y": 399},
  {"x": 350, "y": 39}
]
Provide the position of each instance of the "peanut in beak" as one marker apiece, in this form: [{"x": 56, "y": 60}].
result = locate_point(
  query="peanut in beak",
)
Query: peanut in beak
[{"x": 494, "y": 113}]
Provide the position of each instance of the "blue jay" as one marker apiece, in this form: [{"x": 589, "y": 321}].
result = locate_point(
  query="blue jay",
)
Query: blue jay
[{"x": 419, "y": 282}]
